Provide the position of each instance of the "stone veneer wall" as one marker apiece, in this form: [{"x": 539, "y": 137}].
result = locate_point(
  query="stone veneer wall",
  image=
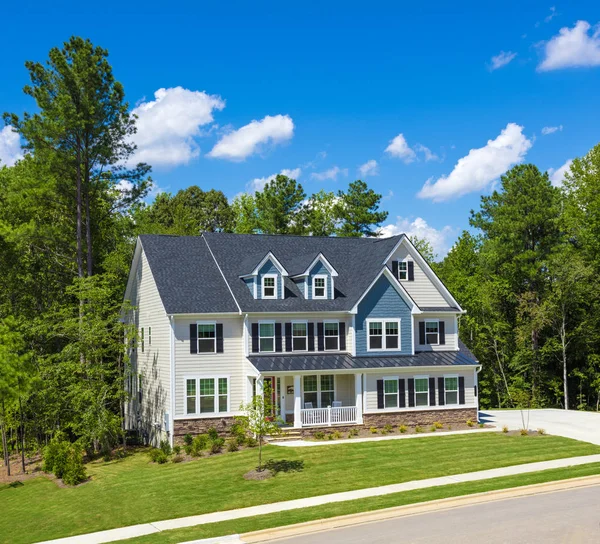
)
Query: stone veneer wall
[
  {"x": 420, "y": 417},
  {"x": 200, "y": 426}
]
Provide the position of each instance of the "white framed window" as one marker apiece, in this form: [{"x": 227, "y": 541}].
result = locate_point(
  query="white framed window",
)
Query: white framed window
[
  {"x": 142, "y": 339},
  {"x": 432, "y": 332},
  {"x": 390, "y": 392},
  {"x": 319, "y": 286},
  {"x": 269, "y": 286},
  {"x": 451, "y": 390},
  {"x": 331, "y": 330},
  {"x": 299, "y": 335},
  {"x": 421, "y": 390},
  {"x": 402, "y": 270},
  {"x": 266, "y": 336},
  {"x": 207, "y": 336},
  {"x": 327, "y": 392},
  {"x": 318, "y": 391},
  {"x": 207, "y": 395},
  {"x": 149, "y": 336},
  {"x": 383, "y": 334}
]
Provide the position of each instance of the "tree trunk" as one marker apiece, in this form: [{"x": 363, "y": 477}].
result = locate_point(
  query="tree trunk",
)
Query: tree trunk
[
  {"x": 564, "y": 361},
  {"x": 259, "y": 453},
  {"x": 88, "y": 225},
  {"x": 4, "y": 442},
  {"x": 79, "y": 205},
  {"x": 22, "y": 434}
]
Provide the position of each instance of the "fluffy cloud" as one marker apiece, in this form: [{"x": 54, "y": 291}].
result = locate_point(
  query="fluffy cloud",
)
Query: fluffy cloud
[
  {"x": 428, "y": 155},
  {"x": 399, "y": 148},
  {"x": 241, "y": 143},
  {"x": 332, "y": 174},
  {"x": 502, "y": 59},
  {"x": 557, "y": 177},
  {"x": 10, "y": 146},
  {"x": 168, "y": 125},
  {"x": 440, "y": 240},
  {"x": 370, "y": 168},
  {"x": 258, "y": 184},
  {"x": 572, "y": 47},
  {"x": 551, "y": 130},
  {"x": 481, "y": 166}
]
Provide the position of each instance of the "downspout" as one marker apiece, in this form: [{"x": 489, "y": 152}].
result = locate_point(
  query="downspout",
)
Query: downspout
[{"x": 172, "y": 365}]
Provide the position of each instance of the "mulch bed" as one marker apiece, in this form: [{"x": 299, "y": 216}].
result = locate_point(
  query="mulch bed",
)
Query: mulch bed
[{"x": 256, "y": 475}]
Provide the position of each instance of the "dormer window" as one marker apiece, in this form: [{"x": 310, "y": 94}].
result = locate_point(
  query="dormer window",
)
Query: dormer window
[
  {"x": 402, "y": 270},
  {"x": 269, "y": 286},
  {"x": 319, "y": 286}
]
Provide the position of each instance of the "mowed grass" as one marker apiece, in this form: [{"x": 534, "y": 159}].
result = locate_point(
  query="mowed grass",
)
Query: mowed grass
[{"x": 132, "y": 490}]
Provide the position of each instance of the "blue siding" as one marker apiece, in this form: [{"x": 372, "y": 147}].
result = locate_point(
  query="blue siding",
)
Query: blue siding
[
  {"x": 383, "y": 301},
  {"x": 268, "y": 268},
  {"x": 319, "y": 268},
  {"x": 250, "y": 283}
]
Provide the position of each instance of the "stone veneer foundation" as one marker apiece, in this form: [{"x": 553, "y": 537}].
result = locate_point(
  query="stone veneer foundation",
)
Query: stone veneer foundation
[{"x": 182, "y": 427}]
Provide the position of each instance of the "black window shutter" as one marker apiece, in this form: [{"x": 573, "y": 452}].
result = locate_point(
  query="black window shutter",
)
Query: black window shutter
[
  {"x": 395, "y": 269},
  {"x": 441, "y": 392},
  {"x": 311, "y": 337},
  {"x": 278, "y": 339},
  {"x": 475, "y": 390},
  {"x": 254, "y": 337},
  {"x": 320, "y": 337},
  {"x": 342, "y": 331},
  {"x": 219, "y": 337},
  {"x": 193, "y": 338},
  {"x": 411, "y": 392},
  {"x": 401, "y": 393},
  {"x": 422, "y": 333},
  {"x": 380, "y": 404},
  {"x": 461, "y": 390},
  {"x": 431, "y": 391},
  {"x": 442, "y": 332},
  {"x": 288, "y": 337},
  {"x": 411, "y": 271}
]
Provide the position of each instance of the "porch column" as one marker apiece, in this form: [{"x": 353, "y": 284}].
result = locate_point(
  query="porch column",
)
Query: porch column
[
  {"x": 359, "y": 397},
  {"x": 297, "y": 402},
  {"x": 260, "y": 386}
]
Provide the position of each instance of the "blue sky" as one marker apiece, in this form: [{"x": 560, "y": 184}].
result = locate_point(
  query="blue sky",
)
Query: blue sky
[{"x": 332, "y": 86}]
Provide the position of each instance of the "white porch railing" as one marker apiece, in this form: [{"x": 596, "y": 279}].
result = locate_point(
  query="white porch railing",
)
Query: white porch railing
[{"x": 328, "y": 416}]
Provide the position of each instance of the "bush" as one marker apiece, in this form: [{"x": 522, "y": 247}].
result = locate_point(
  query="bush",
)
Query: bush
[
  {"x": 199, "y": 444},
  {"x": 418, "y": 429},
  {"x": 433, "y": 428},
  {"x": 188, "y": 449},
  {"x": 74, "y": 472},
  {"x": 319, "y": 435},
  {"x": 212, "y": 433},
  {"x": 177, "y": 459},
  {"x": 402, "y": 428},
  {"x": 352, "y": 433},
  {"x": 176, "y": 450},
  {"x": 217, "y": 445},
  {"x": 56, "y": 455},
  {"x": 187, "y": 439},
  {"x": 438, "y": 425},
  {"x": 251, "y": 442},
  {"x": 505, "y": 428},
  {"x": 523, "y": 432},
  {"x": 165, "y": 447},
  {"x": 388, "y": 428},
  {"x": 336, "y": 435},
  {"x": 481, "y": 425},
  {"x": 232, "y": 444},
  {"x": 470, "y": 423},
  {"x": 373, "y": 430},
  {"x": 158, "y": 456},
  {"x": 541, "y": 432}
]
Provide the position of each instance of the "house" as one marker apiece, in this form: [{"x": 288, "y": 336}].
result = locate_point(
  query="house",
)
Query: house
[{"x": 340, "y": 331}]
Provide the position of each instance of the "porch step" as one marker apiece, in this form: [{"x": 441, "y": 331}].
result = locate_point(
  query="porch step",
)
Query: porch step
[{"x": 285, "y": 436}]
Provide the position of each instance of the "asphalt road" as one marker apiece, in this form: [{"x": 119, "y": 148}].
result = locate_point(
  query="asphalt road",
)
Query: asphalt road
[{"x": 565, "y": 517}]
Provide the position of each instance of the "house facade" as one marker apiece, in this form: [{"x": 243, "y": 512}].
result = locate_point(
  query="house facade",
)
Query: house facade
[{"x": 338, "y": 331}]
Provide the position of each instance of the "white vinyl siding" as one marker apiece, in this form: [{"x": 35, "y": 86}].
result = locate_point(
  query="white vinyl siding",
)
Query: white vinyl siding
[{"x": 450, "y": 331}]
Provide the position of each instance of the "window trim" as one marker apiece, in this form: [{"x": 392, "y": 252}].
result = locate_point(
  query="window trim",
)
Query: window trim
[
  {"x": 150, "y": 336},
  {"x": 392, "y": 379},
  {"x": 426, "y": 378},
  {"x": 404, "y": 262},
  {"x": 142, "y": 339},
  {"x": 215, "y": 378},
  {"x": 383, "y": 322},
  {"x": 331, "y": 321},
  {"x": 262, "y": 284},
  {"x": 266, "y": 322},
  {"x": 319, "y": 390},
  {"x": 214, "y": 324},
  {"x": 314, "y": 278},
  {"x": 301, "y": 322},
  {"x": 457, "y": 403},
  {"x": 433, "y": 320}
]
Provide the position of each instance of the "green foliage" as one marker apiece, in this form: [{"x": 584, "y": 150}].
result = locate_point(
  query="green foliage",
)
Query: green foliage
[
  {"x": 65, "y": 460},
  {"x": 402, "y": 428},
  {"x": 319, "y": 435},
  {"x": 358, "y": 210},
  {"x": 470, "y": 423},
  {"x": 438, "y": 425},
  {"x": 541, "y": 432},
  {"x": 505, "y": 429},
  {"x": 216, "y": 445},
  {"x": 177, "y": 458},
  {"x": 212, "y": 433},
  {"x": 176, "y": 450},
  {"x": 352, "y": 433},
  {"x": 336, "y": 435},
  {"x": 199, "y": 444},
  {"x": 232, "y": 444},
  {"x": 418, "y": 429},
  {"x": 165, "y": 446},
  {"x": 74, "y": 472},
  {"x": 278, "y": 205},
  {"x": 187, "y": 439},
  {"x": 373, "y": 430},
  {"x": 388, "y": 428}
]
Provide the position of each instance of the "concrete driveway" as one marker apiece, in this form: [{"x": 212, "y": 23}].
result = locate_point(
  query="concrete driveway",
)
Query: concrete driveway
[{"x": 583, "y": 426}]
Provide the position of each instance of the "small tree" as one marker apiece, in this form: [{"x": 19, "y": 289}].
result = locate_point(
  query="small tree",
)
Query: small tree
[{"x": 258, "y": 421}]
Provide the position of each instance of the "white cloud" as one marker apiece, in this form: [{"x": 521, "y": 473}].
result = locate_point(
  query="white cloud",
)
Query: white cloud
[
  {"x": 502, "y": 59},
  {"x": 481, "y": 166},
  {"x": 370, "y": 168},
  {"x": 124, "y": 186},
  {"x": 428, "y": 155},
  {"x": 167, "y": 126},
  {"x": 557, "y": 177},
  {"x": 332, "y": 174},
  {"x": 258, "y": 184},
  {"x": 551, "y": 130},
  {"x": 247, "y": 140},
  {"x": 553, "y": 14},
  {"x": 572, "y": 47},
  {"x": 440, "y": 239},
  {"x": 10, "y": 146},
  {"x": 399, "y": 148}
]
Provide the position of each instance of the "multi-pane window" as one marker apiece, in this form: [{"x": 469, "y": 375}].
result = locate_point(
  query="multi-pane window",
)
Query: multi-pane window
[
  {"x": 206, "y": 395},
  {"x": 390, "y": 393},
  {"x": 190, "y": 398},
  {"x": 451, "y": 389},
  {"x": 269, "y": 287},
  {"x": 299, "y": 336},
  {"x": 384, "y": 335},
  {"x": 310, "y": 391},
  {"x": 142, "y": 339},
  {"x": 319, "y": 391},
  {"x": 266, "y": 334},
  {"x": 332, "y": 336},
  {"x": 402, "y": 270},
  {"x": 327, "y": 390},
  {"x": 432, "y": 332},
  {"x": 149, "y": 336},
  {"x": 421, "y": 391},
  {"x": 207, "y": 338},
  {"x": 320, "y": 287},
  {"x": 223, "y": 400}
]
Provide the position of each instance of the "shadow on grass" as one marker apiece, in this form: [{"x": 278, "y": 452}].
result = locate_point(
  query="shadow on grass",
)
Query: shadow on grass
[{"x": 283, "y": 465}]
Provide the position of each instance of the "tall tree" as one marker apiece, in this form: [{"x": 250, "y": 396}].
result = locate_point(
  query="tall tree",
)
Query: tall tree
[
  {"x": 244, "y": 214},
  {"x": 278, "y": 206},
  {"x": 358, "y": 210},
  {"x": 320, "y": 214}
]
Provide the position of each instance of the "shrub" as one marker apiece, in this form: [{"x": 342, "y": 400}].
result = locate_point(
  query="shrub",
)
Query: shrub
[
  {"x": 418, "y": 429},
  {"x": 177, "y": 459},
  {"x": 438, "y": 425},
  {"x": 74, "y": 472},
  {"x": 188, "y": 449},
  {"x": 449, "y": 427},
  {"x": 541, "y": 432},
  {"x": 176, "y": 450},
  {"x": 56, "y": 455},
  {"x": 251, "y": 442},
  {"x": 187, "y": 439},
  {"x": 319, "y": 435},
  {"x": 470, "y": 423},
  {"x": 388, "y": 428},
  {"x": 481, "y": 425},
  {"x": 216, "y": 445},
  {"x": 165, "y": 447},
  {"x": 336, "y": 435},
  {"x": 329, "y": 436},
  {"x": 158, "y": 456},
  {"x": 352, "y": 433},
  {"x": 505, "y": 428},
  {"x": 373, "y": 430},
  {"x": 433, "y": 428},
  {"x": 232, "y": 444},
  {"x": 212, "y": 433},
  {"x": 199, "y": 444},
  {"x": 402, "y": 428},
  {"x": 523, "y": 432}
]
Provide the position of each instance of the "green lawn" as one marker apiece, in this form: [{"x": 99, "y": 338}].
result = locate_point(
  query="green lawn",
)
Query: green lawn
[{"x": 134, "y": 491}]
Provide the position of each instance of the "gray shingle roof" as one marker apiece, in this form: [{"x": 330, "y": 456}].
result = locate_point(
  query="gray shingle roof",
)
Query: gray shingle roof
[{"x": 323, "y": 362}]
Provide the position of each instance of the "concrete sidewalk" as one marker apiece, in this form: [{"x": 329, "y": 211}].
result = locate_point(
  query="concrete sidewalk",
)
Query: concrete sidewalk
[{"x": 158, "y": 526}]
